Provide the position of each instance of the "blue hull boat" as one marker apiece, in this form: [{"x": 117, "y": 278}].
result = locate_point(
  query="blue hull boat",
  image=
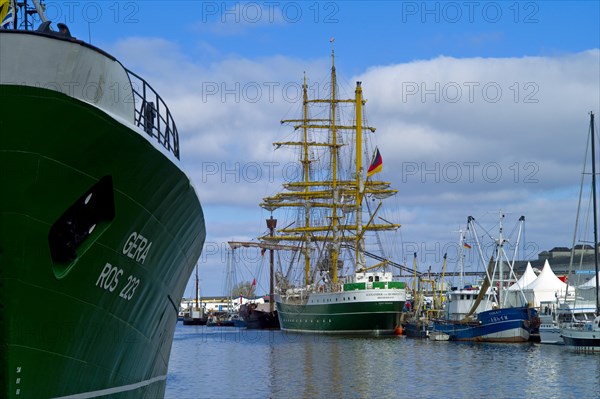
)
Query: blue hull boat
[{"x": 497, "y": 325}]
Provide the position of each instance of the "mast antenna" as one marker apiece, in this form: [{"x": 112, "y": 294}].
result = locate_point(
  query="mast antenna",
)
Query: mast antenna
[{"x": 40, "y": 10}]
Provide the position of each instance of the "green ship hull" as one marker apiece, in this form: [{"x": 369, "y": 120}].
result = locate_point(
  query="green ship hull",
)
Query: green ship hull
[
  {"x": 99, "y": 233},
  {"x": 347, "y": 312}
]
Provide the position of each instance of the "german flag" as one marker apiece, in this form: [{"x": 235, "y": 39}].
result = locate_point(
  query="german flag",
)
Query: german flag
[
  {"x": 376, "y": 163},
  {"x": 6, "y": 13}
]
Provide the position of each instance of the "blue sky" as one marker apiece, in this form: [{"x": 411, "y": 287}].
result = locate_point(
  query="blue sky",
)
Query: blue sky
[
  {"x": 498, "y": 92},
  {"x": 382, "y": 32}
]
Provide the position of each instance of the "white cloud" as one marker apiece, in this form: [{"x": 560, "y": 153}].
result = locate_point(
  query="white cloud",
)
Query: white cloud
[
  {"x": 508, "y": 110},
  {"x": 446, "y": 127}
]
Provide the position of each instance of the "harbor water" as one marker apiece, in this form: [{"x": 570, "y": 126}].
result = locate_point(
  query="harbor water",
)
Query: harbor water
[{"x": 228, "y": 362}]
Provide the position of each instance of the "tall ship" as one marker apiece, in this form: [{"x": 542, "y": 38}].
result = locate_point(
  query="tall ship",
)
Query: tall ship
[
  {"x": 486, "y": 312},
  {"x": 100, "y": 227},
  {"x": 329, "y": 286}
]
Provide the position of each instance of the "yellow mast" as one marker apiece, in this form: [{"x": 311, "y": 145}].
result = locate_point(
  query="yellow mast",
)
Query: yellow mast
[
  {"x": 271, "y": 225},
  {"x": 306, "y": 167},
  {"x": 441, "y": 301},
  {"x": 334, "y": 156},
  {"x": 414, "y": 284},
  {"x": 360, "y": 262}
]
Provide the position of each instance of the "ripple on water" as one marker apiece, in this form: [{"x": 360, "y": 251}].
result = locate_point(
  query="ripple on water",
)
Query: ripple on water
[{"x": 209, "y": 362}]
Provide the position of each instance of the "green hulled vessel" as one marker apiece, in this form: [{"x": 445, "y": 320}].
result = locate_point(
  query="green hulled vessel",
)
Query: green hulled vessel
[
  {"x": 100, "y": 228},
  {"x": 356, "y": 308},
  {"x": 335, "y": 289}
]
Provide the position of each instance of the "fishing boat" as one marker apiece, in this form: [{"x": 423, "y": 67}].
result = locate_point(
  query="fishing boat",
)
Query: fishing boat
[
  {"x": 329, "y": 287},
  {"x": 100, "y": 227},
  {"x": 262, "y": 316},
  {"x": 584, "y": 335},
  {"x": 259, "y": 316},
  {"x": 482, "y": 312},
  {"x": 419, "y": 313},
  {"x": 194, "y": 317},
  {"x": 229, "y": 316},
  {"x": 195, "y": 314}
]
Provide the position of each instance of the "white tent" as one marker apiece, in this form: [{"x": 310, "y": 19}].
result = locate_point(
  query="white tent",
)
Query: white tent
[
  {"x": 590, "y": 283},
  {"x": 546, "y": 287},
  {"x": 527, "y": 278},
  {"x": 514, "y": 296},
  {"x": 585, "y": 291}
]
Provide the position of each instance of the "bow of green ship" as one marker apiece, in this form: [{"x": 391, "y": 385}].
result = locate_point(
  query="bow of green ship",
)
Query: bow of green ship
[{"x": 100, "y": 228}]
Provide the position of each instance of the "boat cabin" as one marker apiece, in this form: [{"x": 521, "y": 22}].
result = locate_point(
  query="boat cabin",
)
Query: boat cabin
[
  {"x": 460, "y": 301},
  {"x": 371, "y": 280}
]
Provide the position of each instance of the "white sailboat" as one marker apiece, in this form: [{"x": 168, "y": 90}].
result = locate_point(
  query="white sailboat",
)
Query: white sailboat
[
  {"x": 562, "y": 311},
  {"x": 558, "y": 303},
  {"x": 584, "y": 335}
]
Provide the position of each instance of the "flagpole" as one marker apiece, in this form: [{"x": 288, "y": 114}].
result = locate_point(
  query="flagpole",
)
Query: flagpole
[{"x": 13, "y": 7}]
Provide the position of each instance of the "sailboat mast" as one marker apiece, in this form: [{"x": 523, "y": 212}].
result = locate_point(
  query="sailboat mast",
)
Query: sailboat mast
[
  {"x": 271, "y": 225},
  {"x": 595, "y": 208},
  {"x": 306, "y": 169},
  {"x": 360, "y": 259},
  {"x": 197, "y": 286},
  {"x": 334, "y": 159}
]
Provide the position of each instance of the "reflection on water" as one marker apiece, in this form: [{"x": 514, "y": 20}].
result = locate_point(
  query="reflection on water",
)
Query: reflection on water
[{"x": 209, "y": 362}]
